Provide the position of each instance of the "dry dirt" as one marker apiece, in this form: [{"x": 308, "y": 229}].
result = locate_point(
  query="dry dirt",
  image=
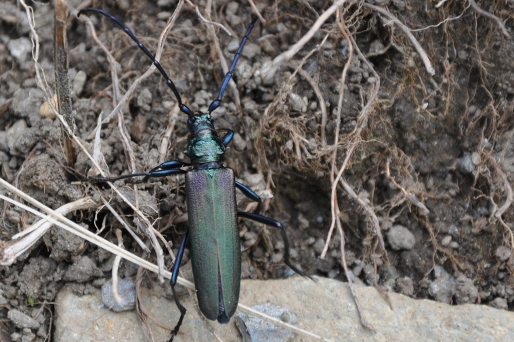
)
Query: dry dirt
[{"x": 431, "y": 156}]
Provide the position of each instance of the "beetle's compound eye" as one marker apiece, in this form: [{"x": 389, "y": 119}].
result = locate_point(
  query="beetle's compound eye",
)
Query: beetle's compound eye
[{"x": 192, "y": 121}]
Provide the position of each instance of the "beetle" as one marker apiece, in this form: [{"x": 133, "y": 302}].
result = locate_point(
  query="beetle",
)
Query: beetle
[{"x": 211, "y": 200}]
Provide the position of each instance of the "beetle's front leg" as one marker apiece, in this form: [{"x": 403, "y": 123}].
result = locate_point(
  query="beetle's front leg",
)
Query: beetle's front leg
[
  {"x": 273, "y": 223},
  {"x": 173, "y": 282},
  {"x": 171, "y": 167}
]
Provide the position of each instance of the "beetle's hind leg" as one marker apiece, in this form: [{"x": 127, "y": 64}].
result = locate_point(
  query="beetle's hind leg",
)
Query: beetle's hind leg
[
  {"x": 173, "y": 282},
  {"x": 273, "y": 223},
  {"x": 171, "y": 167}
]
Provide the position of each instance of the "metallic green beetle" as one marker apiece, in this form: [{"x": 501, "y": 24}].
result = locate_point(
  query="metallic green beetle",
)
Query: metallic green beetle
[{"x": 211, "y": 201}]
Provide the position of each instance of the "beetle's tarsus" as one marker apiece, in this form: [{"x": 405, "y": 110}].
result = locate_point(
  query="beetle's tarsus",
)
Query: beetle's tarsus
[{"x": 182, "y": 314}]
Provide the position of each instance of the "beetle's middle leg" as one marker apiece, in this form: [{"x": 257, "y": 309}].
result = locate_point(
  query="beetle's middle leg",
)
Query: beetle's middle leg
[
  {"x": 273, "y": 223},
  {"x": 248, "y": 192}
]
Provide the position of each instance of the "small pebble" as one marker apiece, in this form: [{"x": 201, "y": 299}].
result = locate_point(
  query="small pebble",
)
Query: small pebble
[
  {"x": 304, "y": 223},
  {"x": 46, "y": 110},
  {"x": 400, "y": 237},
  {"x": 297, "y": 102},
  {"x": 333, "y": 273},
  {"x": 250, "y": 239},
  {"x": 405, "y": 286},
  {"x": 251, "y": 50},
  {"x": 22, "y": 320},
  {"x": 28, "y": 335},
  {"x": 3, "y": 144},
  {"x": 7, "y": 172},
  {"x": 127, "y": 292},
  {"x": 475, "y": 158},
  {"x": 499, "y": 303},
  {"x": 503, "y": 253},
  {"x": 465, "y": 164},
  {"x": 14, "y": 133},
  {"x": 388, "y": 272},
  {"x": 277, "y": 257},
  {"x": 446, "y": 240},
  {"x": 163, "y": 15},
  {"x": 462, "y": 54},
  {"x": 233, "y": 45},
  {"x": 319, "y": 246},
  {"x": 239, "y": 143},
  {"x": 20, "y": 48},
  {"x": 144, "y": 99},
  {"x": 454, "y": 245},
  {"x": 78, "y": 82}
]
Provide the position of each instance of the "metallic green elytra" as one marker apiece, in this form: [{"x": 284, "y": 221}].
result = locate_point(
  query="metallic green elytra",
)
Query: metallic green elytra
[{"x": 214, "y": 237}]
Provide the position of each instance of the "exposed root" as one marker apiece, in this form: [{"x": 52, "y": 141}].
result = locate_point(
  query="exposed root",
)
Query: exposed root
[
  {"x": 411, "y": 197},
  {"x": 269, "y": 70},
  {"x": 319, "y": 95},
  {"x": 490, "y": 16},
  {"x": 150, "y": 70},
  {"x": 256, "y": 10},
  {"x": 408, "y": 33},
  {"x": 24, "y": 240}
]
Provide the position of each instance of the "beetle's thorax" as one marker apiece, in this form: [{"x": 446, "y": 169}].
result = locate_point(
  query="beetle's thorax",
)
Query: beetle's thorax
[{"x": 204, "y": 146}]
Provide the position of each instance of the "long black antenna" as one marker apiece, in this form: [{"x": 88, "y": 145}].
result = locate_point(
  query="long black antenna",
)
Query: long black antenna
[
  {"x": 215, "y": 104},
  {"x": 183, "y": 108}
]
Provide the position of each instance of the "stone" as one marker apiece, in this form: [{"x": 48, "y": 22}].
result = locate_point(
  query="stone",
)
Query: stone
[
  {"x": 465, "y": 164},
  {"x": 82, "y": 271},
  {"x": 20, "y": 48},
  {"x": 126, "y": 291},
  {"x": 503, "y": 253},
  {"x": 22, "y": 320},
  {"x": 262, "y": 331},
  {"x": 443, "y": 288},
  {"x": 325, "y": 308},
  {"x": 400, "y": 237}
]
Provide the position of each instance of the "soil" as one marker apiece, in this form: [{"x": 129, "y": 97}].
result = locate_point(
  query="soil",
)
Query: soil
[{"x": 432, "y": 156}]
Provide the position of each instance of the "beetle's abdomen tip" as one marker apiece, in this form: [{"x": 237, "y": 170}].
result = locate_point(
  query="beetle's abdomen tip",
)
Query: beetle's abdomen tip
[{"x": 223, "y": 318}]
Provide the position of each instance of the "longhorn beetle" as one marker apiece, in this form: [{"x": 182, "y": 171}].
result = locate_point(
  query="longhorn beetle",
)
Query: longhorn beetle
[{"x": 211, "y": 202}]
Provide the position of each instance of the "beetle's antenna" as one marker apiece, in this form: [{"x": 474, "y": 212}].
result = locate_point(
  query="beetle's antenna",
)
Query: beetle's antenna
[
  {"x": 183, "y": 108},
  {"x": 215, "y": 104}
]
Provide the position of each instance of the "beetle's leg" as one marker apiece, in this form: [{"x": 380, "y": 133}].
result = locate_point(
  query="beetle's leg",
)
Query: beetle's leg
[
  {"x": 178, "y": 260},
  {"x": 173, "y": 282},
  {"x": 215, "y": 104},
  {"x": 248, "y": 192},
  {"x": 227, "y": 138},
  {"x": 273, "y": 223},
  {"x": 171, "y": 167},
  {"x": 170, "y": 164},
  {"x": 183, "y": 108}
]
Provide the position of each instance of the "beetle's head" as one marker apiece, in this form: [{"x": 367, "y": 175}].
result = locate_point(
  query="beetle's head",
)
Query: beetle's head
[{"x": 200, "y": 121}]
